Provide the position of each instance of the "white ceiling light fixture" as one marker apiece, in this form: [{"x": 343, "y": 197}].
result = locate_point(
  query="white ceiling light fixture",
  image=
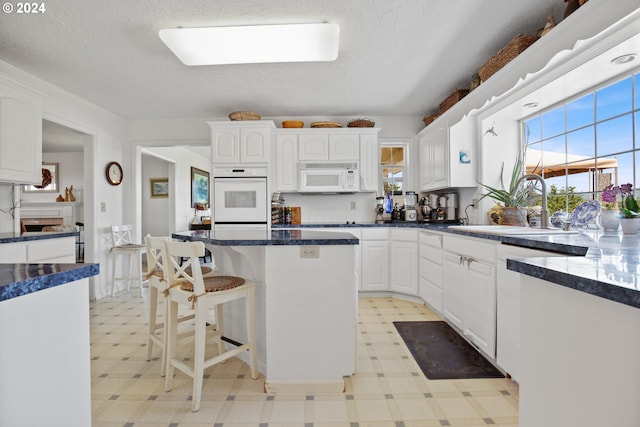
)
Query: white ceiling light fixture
[
  {"x": 624, "y": 59},
  {"x": 254, "y": 43}
]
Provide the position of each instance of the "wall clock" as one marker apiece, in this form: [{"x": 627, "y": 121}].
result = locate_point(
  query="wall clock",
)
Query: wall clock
[{"x": 114, "y": 173}]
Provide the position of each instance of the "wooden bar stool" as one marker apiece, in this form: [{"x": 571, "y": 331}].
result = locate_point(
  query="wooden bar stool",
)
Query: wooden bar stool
[
  {"x": 124, "y": 248},
  {"x": 156, "y": 330},
  {"x": 188, "y": 288}
]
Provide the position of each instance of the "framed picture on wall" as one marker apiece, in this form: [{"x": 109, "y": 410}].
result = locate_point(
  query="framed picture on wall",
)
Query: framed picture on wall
[
  {"x": 50, "y": 183},
  {"x": 159, "y": 188},
  {"x": 199, "y": 188}
]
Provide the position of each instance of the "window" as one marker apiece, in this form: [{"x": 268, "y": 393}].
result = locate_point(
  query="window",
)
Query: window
[
  {"x": 586, "y": 144},
  {"x": 393, "y": 165}
]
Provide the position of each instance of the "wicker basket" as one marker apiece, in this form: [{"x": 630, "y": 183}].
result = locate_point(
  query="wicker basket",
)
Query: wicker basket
[
  {"x": 451, "y": 100},
  {"x": 326, "y": 125},
  {"x": 292, "y": 124},
  {"x": 361, "y": 123},
  {"x": 244, "y": 115},
  {"x": 505, "y": 55},
  {"x": 430, "y": 118}
]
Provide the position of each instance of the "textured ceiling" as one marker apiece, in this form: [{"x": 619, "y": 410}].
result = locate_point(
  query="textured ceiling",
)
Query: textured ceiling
[{"x": 396, "y": 57}]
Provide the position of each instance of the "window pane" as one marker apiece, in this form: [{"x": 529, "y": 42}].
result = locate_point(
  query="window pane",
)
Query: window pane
[
  {"x": 553, "y": 123},
  {"x": 533, "y": 158},
  {"x": 614, "y": 136},
  {"x": 580, "y": 112},
  {"x": 579, "y": 179},
  {"x": 625, "y": 168},
  {"x": 581, "y": 143},
  {"x": 397, "y": 154},
  {"x": 533, "y": 130},
  {"x": 385, "y": 156},
  {"x": 553, "y": 150},
  {"x": 614, "y": 100},
  {"x": 637, "y": 90}
]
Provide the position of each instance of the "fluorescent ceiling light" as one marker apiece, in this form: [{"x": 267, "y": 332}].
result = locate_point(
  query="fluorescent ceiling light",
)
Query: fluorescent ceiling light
[{"x": 253, "y": 44}]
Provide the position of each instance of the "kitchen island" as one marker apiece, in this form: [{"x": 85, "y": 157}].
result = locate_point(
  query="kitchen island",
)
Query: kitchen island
[
  {"x": 306, "y": 302},
  {"x": 44, "y": 353}
]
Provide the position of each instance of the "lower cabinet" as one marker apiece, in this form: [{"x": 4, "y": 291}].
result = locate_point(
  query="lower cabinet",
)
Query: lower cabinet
[
  {"x": 430, "y": 269},
  {"x": 374, "y": 248},
  {"x": 404, "y": 261},
  {"x": 469, "y": 290}
]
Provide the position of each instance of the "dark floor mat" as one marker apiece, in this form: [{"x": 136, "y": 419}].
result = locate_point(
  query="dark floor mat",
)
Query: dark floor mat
[{"x": 443, "y": 354}]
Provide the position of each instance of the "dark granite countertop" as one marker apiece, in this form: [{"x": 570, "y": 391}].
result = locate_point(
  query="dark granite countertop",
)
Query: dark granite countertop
[
  {"x": 35, "y": 235},
  {"x": 21, "y": 279},
  {"x": 395, "y": 224},
  {"x": 605, "y": 265},
  {"x": 264, "y": 237}
]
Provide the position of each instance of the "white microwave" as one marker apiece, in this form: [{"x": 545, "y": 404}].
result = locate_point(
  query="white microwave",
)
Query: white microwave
[{"x": 328, "y": 177}]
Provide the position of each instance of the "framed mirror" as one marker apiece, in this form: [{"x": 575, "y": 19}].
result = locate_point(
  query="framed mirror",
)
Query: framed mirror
[{"x": 50, "y": 183}]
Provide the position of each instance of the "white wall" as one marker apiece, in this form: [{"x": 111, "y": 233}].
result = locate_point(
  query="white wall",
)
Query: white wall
[
  {"x": 155, "y": 211},
  {"x": 107, "y": 137}
]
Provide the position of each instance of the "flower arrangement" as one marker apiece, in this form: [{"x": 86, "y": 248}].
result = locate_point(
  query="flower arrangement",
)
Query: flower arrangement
[{"x": 629, "y": 206}]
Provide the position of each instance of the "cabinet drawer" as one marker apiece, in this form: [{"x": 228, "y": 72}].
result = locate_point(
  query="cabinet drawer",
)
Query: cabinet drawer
[
  {"x": 404, "y": 235},
  {"x": 432, "y": 254},
  {"x": 476, "y": 248},
  {"x": 431, "y": 239},
  {"x": 13, "y": 253},
  {"x": 375, "y": 233},
  {"x": 52, "y": 250},
  {"x": 431, "y": 271}
]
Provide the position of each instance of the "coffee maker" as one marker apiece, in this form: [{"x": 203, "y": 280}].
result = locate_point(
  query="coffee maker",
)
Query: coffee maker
[
  {"x": 379, "y": 210},
  {"x": 451, "y": 204}
]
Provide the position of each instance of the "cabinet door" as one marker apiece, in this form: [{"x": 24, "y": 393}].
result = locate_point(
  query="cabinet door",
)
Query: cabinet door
[
  {"x": 254, "y": 145},
  {"x": 480, "y": 306},
  {"x": 20, "y": 137},
  {"x": 454, "y": 276},
  {"x": 344, "y": 147},
  {"x": 375, "y": 265},
  {"x": 225, "y": 144},
  {"x": 404, "y": 267},
  {"x": 369, "y": 165},
  {"x": 61, "y": 250},
  {"x": 430, "y": 269},
  {"x": 434, "y": 161},
  {"x": 286, "y": 162},
  {"x": 313, "y": 147}
]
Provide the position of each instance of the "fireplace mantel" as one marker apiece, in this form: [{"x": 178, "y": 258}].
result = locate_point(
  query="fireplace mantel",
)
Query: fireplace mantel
[{"x": 69, "y": 212}]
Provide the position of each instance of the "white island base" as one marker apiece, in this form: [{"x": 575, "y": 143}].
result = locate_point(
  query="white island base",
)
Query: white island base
[
  {"x": 306, "y": 313},
  {"x": 579, "y": 359}
]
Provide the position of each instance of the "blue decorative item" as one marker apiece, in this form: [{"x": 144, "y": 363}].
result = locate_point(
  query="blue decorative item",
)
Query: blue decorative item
[
  {"x": 464, "y": 157},
  {"x": 388, "y": 205}
]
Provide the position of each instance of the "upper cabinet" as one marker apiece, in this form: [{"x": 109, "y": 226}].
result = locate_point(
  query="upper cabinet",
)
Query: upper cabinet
[
  {"x": 447, "y": 155},
  {"x": 20, "y": 134},
  {"x": 320, "y": 145},
  {"x": 323, "y": 146},
  {"x": 241, "y": 142}
]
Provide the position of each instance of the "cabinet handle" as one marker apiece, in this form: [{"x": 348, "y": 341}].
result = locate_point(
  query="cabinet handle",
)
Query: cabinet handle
[
  {"x": 460, "y": 260},
  {"x": 469, "y": 261}
]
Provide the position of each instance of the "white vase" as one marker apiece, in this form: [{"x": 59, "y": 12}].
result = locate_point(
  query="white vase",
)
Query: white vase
[
  {"x": 629, "y": 225},
  {"x": 609, "y": 220}
]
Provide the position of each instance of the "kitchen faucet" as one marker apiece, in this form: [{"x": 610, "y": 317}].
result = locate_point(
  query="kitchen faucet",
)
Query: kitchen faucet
[{"x": 545, "y": 211}]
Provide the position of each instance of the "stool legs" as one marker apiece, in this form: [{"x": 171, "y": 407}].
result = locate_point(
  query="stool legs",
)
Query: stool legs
[{"x": 134, "y": 270}]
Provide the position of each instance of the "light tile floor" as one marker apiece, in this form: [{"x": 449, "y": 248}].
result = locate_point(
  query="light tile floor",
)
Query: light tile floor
[{"x": 389, "y": 389}]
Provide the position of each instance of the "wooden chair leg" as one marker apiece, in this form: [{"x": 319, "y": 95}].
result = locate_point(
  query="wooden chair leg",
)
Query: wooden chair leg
[
  {"x": 170, "y": 342},
  {"x": 198, "y": 359},
  {"x": 153, "y": 310},
  {"x": 219, "y": 328},
  {"x": 114, "y": 261}
]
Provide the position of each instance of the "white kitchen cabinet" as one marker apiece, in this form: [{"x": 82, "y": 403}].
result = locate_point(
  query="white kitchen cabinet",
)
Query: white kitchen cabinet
[
  {"x": 333, "y": 147},
  {"x": 286, "y": 170},
  {"x": 374, "y": 248},
  {"x": 49, "y": 251},
  {"x": 430, "y": 269},
  {"x": 469, "y": 289},
  {"x": 369, "y": 161},
  {"x": 246, "y": 142},
  {"x": 508, "y": 307},
  {"x": 20, "y": 134},
  {"x": 404, "y": 261},
  {"x": 447, "y": 155}
]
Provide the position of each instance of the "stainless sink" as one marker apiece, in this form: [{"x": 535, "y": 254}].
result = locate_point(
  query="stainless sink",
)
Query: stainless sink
[{"x": 508, "y": 230}]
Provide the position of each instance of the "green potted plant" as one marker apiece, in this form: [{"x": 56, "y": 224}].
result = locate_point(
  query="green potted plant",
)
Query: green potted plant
[{"x": 515, "y": 198}]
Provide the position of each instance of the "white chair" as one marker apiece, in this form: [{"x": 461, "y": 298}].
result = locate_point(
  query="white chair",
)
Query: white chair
[
  {"x": 188, "y": 288},
  {"x": 124, "y": 248},
  {"x": 156, "y": 330}
]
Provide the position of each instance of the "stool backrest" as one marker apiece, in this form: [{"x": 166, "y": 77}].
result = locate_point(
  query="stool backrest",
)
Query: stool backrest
[
  {"x": 155, "y": 247},
  {"x": 121, "y": 234},
  {"x": 182, "y": 262}
]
